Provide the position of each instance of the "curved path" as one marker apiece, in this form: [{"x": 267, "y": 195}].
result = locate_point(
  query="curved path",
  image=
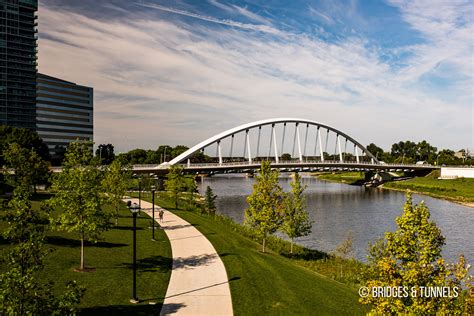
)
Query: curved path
[{"x": 198, "y": 283}]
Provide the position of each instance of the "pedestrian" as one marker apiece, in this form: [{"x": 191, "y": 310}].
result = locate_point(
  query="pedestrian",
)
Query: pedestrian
[{"x": 161, "y": 215}]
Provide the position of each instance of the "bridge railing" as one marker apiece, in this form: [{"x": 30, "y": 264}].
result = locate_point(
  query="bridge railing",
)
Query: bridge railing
[{"x": 308, "y": 162}]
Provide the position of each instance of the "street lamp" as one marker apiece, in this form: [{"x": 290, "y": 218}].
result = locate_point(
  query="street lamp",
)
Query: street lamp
[
  {"x": 139, "y": 189},
  {"x": 153, "y": 189},
  {"x": 134, "y": 209}
]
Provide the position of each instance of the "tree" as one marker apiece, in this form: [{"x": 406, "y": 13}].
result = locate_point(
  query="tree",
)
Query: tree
[
  {"x": 21, "y": 293},
  {"x": 30, "y": 169},
  {"x": 178, "y": 150},
  {"x": 286, "y": 157},
  {"x": 78, "y": 196},
  {"x": 425, "y": 151},
  {"x": 136, "y": 156},
  {"x": 190, "y": 187},
  {"x": 164, "y": 152},
  {"x": 209, "y": 201},
  {"x": 266, "y": 207},
  {"x": 57, "y": 156},
  {"x": 405, "y": 149},
  {"x": 106, "y": 153},
  {"x": 26, "y": 138},
  {"x": 411, "y": 257},
  {"x": 345, "y": 248},
  {"x": 296, "y": 221},
  {"x": 375, "y": 150},
  {"x": 117, "y": 179},
  {"x": 175, "y": 183}
]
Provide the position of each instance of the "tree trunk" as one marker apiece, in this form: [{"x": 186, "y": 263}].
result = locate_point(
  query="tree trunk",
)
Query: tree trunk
[
  {"x": 263, "y": 245},
  {"x": 82, "y": 252},
  {"x": 291, "y": 246}
]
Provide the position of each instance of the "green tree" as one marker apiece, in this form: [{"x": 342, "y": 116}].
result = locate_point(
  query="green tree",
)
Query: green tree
[
  {"x": 175, "y": 183},
  {"x": 178, "y": 150},
  {"x": 296, "y": 221},
  {"x": 404, "y": 150},
  {"x": 117, "y": 180},
  {"x": 190, "y": 187},
  {"x": 375, "y": 150},
  {"x": 209, "y": 201},
  {"x": 26, "y": 138},
  {"x": 425, "y": 151},
  {"x": 30, "y": 169},
  {"x": 21, "y": 293},
  {"x": 411, "y": 257},
  {"x": 266, "y": 203},
  {"x": 286, "y": 157},
  {"x": 78, "y": 196},
  {"x": 106, "y": 154}
]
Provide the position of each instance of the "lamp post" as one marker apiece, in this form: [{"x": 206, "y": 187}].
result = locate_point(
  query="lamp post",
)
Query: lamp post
[
  {"x": 134, "y": 209},
  {"x": 139, "y": 189},
  {"x": 153, "y": 189}
]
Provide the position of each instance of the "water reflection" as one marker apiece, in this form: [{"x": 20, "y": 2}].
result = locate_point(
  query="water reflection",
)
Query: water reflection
[{"x": 337, "y": 208}]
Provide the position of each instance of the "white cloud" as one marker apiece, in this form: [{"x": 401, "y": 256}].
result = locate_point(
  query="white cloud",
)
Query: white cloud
[
  {"x": 235, "y": 9},
  {"x": 245, "y": 26},
  {"x": 157, "y": 82}
]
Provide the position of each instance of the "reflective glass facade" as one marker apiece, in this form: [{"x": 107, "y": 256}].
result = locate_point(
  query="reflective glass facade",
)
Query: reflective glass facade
[
  {"x": 64, "y": 112},
  {"x": 18, "y": 66}
]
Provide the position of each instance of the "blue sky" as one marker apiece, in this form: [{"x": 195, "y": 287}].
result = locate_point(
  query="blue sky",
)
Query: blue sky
[{"x": 178, "y": 72}]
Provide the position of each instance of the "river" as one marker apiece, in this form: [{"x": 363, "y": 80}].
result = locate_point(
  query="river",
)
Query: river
[{"x": 337, "y": 208}]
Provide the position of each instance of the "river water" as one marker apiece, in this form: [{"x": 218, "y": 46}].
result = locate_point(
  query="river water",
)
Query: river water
[{"x": 337, "y": 208}]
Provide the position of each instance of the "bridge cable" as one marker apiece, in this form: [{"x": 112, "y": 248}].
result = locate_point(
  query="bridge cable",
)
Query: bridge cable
[
  {"x": 300, "y": 156},
  {"x": 345, "y": 149},
  {"x": 305, "y": 139},
  {"x": 245, "y": 142},
  {"x": 294, "y": 141},
  {"x": 231, "y": 146},
  {"x": 271, "y": 140},
  {"x": 258, "y": 141},
  {"x": 321, "y": 145},
  {"x": 327, "y": 138},
  {"x": 316, "y": 144},
  {"x": 283, "y": 139}
]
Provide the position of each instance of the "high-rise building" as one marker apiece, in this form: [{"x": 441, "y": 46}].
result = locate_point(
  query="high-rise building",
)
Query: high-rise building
[
  {"x": 18, "y": 62},
  {"x": 64, "y": 112}
]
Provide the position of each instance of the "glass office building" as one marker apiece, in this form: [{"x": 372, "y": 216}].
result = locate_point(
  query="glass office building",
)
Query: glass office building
[
  {"x": 64, "y": 112},
  {"x": 18, "y": 67}
]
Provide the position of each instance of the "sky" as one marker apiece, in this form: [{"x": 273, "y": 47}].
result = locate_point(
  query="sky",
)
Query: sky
[{"x": 178, "y": 72}]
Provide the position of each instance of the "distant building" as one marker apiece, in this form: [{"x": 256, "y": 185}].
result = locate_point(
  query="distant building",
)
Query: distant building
[
  {"x": 18, "y": 51},
  {"x": 460, "y": 154},
  {"x": 64, "y": 112}
]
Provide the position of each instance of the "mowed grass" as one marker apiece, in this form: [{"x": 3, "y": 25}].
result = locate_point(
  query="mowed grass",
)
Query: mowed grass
[
  {"x": 109, "y": 287},
  {"x": 461, "y": 189},
  {"x": 268, "y": 283},
  {"x": 348, "y": 177}
]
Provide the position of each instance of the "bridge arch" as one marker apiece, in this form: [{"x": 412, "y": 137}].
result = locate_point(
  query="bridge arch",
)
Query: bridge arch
[{"x": 259, "y": 124}]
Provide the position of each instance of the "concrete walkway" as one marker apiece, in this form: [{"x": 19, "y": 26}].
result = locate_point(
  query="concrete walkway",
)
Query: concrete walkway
[{"x": 199, "y": 283}]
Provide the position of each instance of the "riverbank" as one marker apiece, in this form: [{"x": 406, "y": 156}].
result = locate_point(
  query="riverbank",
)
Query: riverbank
[
  {"x": 454, "y": 190},
  {"x": 303, "y": 283},
  {"x": 459, "y": 190},
  {"x": 350, "y": 177}
]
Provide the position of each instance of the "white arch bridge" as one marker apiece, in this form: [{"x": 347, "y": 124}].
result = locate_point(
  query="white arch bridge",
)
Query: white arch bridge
[{"x": 290, "y": 144}]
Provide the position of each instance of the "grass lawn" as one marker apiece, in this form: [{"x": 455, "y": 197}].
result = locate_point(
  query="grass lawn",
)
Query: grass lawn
[
  {"x": 109, "y": 287},
  {"x": 461, "y": 190},
  {"x": 348, "y": 177},
  {"x": 269, "y": 283}
]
